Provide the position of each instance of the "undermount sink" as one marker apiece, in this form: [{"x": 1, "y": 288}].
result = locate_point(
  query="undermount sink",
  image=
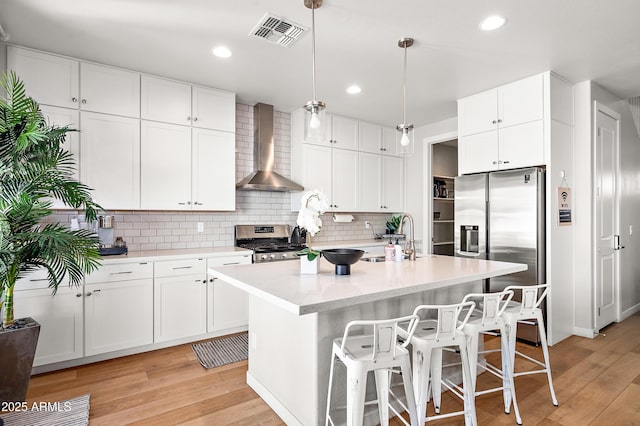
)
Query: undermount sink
[{"x": 373, "y": 259}]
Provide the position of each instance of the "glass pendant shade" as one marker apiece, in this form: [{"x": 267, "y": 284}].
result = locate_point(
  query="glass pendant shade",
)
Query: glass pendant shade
[
  {"x": 404, "y": 139},
  {"x": 314, "y": 122}
]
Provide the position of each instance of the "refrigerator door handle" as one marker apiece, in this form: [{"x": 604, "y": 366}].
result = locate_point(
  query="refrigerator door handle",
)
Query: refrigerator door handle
[
  {"x": 468, "y": 253},
  {"x": 616, "y": 243}
]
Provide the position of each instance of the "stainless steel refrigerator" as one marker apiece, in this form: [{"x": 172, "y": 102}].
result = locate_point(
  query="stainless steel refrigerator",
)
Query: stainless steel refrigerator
[{"x": 501, "y": 216}]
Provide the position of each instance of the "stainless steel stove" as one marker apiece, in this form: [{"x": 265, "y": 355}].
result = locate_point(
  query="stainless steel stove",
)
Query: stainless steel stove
[{"x": 270, "y": 243}]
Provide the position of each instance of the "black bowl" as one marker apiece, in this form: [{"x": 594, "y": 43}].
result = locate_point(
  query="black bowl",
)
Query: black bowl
[{"x": 343, "y": 259}]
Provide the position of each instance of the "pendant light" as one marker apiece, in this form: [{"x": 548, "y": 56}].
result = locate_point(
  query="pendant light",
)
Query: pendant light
[
  {"x": 404, "y": 137},
  {"x": 314, "y": 109}
]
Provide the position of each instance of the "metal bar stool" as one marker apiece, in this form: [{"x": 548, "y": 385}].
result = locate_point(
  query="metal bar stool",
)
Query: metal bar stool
[
  {"x": 484, "y": 320},
  {"x": 381, "y": 353},
  {"x": 527, "y": 311},
  {"x": 428, "y": 341}
]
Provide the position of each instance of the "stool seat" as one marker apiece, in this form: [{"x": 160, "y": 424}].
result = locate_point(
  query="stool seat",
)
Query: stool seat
[{"x": 381, "y": 353}]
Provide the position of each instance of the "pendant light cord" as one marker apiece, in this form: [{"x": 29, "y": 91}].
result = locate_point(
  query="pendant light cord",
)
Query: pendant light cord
[
  {"x": 313, "y": 48},
  {"x": 404, "y": 87}
]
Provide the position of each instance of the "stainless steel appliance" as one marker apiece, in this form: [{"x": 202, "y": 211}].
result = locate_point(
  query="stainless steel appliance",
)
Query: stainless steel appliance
[
  {"x": 105, "y": 235},
  {"x": 501, "y": 216},
  {"x": 270, "y": 243}
]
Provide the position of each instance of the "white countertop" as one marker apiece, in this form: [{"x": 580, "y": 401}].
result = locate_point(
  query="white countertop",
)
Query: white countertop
[
  {"x": 281, "y": 283},
  {"x": 324, "y": 245},
  {"x": 151, "y": 255}
]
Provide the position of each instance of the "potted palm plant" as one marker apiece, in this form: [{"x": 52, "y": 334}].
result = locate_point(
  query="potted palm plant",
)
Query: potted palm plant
[{"x": 34, "y": 168}]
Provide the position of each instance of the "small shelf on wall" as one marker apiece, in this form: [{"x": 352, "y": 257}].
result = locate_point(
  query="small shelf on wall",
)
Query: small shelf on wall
[{"x": 444, "y": 169}]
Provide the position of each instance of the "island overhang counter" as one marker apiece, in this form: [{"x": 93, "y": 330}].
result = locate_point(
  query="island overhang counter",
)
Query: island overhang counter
[{"x": 293, "y": 318}]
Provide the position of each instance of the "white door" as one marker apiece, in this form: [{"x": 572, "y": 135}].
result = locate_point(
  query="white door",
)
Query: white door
[
  {"x": 180, "y": 307},
  {"x": 214, "y": 109},
  {"x": 118, "y": 315},
  {"x": 521, "y": 145},
  {"x": 227, "y": 306},
  {"x": 109, "y": 90},
  {"x": 214, "y": 170},
  {"x": 606, "y": 158},
  {"x": 165, "y": 169},
  {"x": 316, "y": 173},
  {"x": 110, "y": 159},
  {"x": 165, "y": 100},
  {"x": 478, "y": 113},
  {"x": 345, "y": 180},
  {"x": 478, "y": 153},
  {"x": 344, "y": 132},
  {"x": 392, "y": 184},
  {"x": 370, "y": 177},
  {"x": 369, "y": 138}
]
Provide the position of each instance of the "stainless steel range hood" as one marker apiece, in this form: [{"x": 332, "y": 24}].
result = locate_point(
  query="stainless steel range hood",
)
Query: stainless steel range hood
[{"x": 264, "y": 178}]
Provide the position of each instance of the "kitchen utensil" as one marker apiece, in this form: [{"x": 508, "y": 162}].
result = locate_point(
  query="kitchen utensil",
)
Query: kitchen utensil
[
  {"x": 105, "y": 221},
  {"x": 296, "y": 237}
]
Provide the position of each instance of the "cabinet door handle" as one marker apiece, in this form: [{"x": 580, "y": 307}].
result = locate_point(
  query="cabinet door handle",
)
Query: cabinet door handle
[
  {"x": 182, "y": 267},
  {"x": 74, "y": 100},
  {"x": 181, "y": 204},
  {"x": 505, "y": 162},
  {"x": 78, "y": 294},
  {"x": 96, "y": 291},
  {"x": 494, "y": 122},
  {"x": 197, "y": 203},
  {"x": 195, "y": 118},
  {"x": 84, "y": 101},
  {"x": 499, "y": 120},
  {"x": 495, "y": 162},
  {"x": 121, "y": 273},
  {"x": 188, "y": 203},
  {"x": 231, "y": 263},
  {"x": 88, "y": 294},
  {"x": 188, "y": 118},
  {"x": 203, "y": 281},
  {"x": 39, "y": 279},
  {"x": 212, "y": 279},
  {"x": 199, "y": 281}
]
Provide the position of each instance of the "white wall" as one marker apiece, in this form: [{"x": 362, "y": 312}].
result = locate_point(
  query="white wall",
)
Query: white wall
[{"x": 629, "y": 185}]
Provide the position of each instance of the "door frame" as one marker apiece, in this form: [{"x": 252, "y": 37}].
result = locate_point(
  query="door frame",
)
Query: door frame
[
  {"x": 427, "y": 202},
  {"x": 599, "y": 107}
]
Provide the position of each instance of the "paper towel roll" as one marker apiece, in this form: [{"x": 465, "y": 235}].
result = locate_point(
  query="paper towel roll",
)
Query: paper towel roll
[{"x": 342, "y": 218}]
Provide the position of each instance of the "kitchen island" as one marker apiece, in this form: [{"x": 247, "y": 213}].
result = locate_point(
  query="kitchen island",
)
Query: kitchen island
[{"x": 293, "y": 318}]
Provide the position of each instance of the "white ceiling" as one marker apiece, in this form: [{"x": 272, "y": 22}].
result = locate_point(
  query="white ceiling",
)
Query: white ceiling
[{"x": 356, "y": 42}]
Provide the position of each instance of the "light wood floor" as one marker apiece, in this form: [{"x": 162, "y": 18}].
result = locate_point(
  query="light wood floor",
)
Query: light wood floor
[{"x": 597, "y": 382}]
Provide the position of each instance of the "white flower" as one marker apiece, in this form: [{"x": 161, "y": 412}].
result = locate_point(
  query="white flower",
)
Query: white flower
[{"x": 313, "y": 204}]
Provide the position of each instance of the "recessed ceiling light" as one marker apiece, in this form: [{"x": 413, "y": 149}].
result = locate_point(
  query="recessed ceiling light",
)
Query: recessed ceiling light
[
  {"x": 353, "y": 89},
  {"x": 493, "y": 22},
  {"x": 222, "y": 52}
]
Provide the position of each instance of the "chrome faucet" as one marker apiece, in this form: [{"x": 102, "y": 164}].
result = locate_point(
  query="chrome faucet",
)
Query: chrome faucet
[{"x": 410, "y": 247}]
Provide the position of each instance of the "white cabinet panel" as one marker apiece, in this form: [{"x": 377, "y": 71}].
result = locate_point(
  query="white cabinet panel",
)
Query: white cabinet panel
[
  {"x": 369, "y": 137},
  {"x": 109, "y": 90},
  {"x": 521, "y": 101},
  {"x": 317, "y": 168},
  {"x": 118, "y": 315},
  {"x": 71, "y": 118},
  {"x": 60, "y": 318},
  {"x": 165, "y": 176},
  {"x": 344, "y": 132},
  {"x": 110, "y": 159},
  {"x": 370, "y": 178},
  {"x": 345, "y": 180},
  {"x": 180, "y": 307},
  {"x": 214, "y": 109},
  {"x": 521, "y": 146},
  {"x": 214, "y": 170},
  {"x": 227, "y": 306},
  {"x": 49, "y": 79},
  {"x": 165, "y": 100},
  {"x": 478, "y": 113},
  {"x": 393, "y": 184},
  {"x": 478, "y": 152},
  {"x": 389, "y": 141}
]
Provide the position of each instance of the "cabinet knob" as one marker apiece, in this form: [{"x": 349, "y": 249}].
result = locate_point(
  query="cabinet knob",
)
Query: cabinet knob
[
  {"x": 495, "y": 162},
  {"x": 88, "y": 293},
  {"x": 195, "y": 118},
  {"x": 78, "y": 294},
  {"x": 335, "y": 205},
  {"x": 181, "y": 204},
  {"x": 84, "y": 101},
  {"x": 505, "y": 162},
  {"x": 212, "y": 279},
  {"x": 499, "y": 120},
  {"x": 188, "y": 118},
  {"x": 494, "y": 122},
  {"x": 204, "y": 281},
  {"x": 188, "y": 203},
  {"x": 197, "y": 203},
  {"x": 74, "y": 100}
]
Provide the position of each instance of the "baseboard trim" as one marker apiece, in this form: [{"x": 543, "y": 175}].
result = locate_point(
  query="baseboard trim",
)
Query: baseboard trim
[
  {"x": 272, "y": 401},
  {"x": 584, "y": 332},
  {"x": 627, "y": 313}
]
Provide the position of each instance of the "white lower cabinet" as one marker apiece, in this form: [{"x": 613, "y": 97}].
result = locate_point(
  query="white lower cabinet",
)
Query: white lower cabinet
[
  {"x": 180, "y": 299},
  {"x": 227, "y": 306},
  {"x": 60, "y": 319},
  {"x": 118, "y": 307}
]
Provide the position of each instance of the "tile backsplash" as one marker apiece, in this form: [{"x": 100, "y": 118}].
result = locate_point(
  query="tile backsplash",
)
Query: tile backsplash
[{"x": 159, "y": 230}]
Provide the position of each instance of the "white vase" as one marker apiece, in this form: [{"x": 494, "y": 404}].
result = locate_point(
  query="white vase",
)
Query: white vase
[{"x": 309, "y": 267}]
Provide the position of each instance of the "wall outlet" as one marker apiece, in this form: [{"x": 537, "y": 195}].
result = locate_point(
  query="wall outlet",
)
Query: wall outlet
[
  {"x": 367, "y": 224},
  {"x": 200, "y": 227}
]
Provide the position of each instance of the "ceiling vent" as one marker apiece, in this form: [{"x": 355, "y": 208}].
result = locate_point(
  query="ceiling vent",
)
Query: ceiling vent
[{"x": 278, "y": 30}]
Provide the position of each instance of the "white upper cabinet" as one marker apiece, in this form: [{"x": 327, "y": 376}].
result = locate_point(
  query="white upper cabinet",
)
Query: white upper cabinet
[
  {"x": 165, "y": 100},
  {"x": 392, "y": 184},
  {"x": 165, "y": 178},
  {"x": 109, "y": 90},
  {"x": 345, "y": 180},
  {"x": 214, "y": 109},
  {"x": 502, "y": 128},
  {"x": 389, "y": 141},
  {"x": 180, "y": 103},
  {"x": 64, "y": 82},
  {"x": 49, "y": 79},
  {"x": 213, "y": 185},
  {"x": 66, "y": 117},
  {"x": 110, "y": 159},
  {"x": 370, "y": 179},
  {"x": 369, "y": 138},
  {"x": 344, "y": 132}
]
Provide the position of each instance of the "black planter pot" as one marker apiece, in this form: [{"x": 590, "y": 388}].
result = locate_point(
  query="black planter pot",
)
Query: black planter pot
[{"x": 17, "y": 350}]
